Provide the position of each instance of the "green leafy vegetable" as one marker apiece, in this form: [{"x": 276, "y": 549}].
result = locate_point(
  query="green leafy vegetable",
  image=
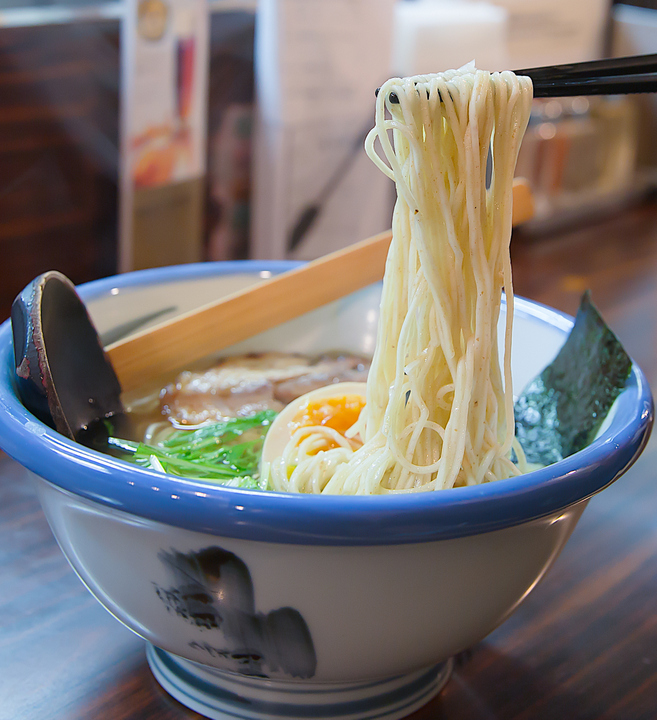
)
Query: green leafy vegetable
[
  {"x": 562, "y": 409},
  {"x": 226, "y": 452}
]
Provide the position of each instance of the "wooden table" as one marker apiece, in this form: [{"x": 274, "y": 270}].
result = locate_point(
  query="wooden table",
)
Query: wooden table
[{"x": 582, "y": 647}]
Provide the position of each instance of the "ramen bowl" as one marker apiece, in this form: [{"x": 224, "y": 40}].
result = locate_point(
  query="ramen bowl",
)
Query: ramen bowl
[{"x": 257, "y": 604}]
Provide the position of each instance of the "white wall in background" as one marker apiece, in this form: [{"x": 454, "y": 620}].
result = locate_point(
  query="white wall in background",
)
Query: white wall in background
[
  {"x": 550, "y": 32},
  {"x": 634, "y": 32},
  {"x": 435, "y": 35}
]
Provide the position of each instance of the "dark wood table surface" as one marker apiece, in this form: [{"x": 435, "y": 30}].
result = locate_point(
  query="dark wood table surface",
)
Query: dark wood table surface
[{"x": 583, "y": 646}]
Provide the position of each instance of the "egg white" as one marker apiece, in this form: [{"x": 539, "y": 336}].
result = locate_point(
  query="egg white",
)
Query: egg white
[{"x": 279, "y": 434}]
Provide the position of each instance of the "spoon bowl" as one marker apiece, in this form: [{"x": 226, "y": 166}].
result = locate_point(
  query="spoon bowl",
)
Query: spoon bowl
[{"x": 64, "y": 376}]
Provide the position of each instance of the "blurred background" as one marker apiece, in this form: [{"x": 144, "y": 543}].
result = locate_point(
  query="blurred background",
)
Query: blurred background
[{"x": 150, "y": 132}]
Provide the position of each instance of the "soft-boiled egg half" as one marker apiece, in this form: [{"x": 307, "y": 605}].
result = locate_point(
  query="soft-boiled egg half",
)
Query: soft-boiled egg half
[{"x": 336, "y": 406}]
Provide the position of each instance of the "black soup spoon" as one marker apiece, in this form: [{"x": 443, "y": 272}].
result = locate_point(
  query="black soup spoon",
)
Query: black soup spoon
[{"x": 64, "y": 375}]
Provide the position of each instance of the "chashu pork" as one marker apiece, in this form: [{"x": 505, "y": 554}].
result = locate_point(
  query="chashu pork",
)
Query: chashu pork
[{"x": 242, "y": 385}]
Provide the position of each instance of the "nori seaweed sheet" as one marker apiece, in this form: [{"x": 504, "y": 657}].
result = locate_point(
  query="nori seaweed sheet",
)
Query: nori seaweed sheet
[{"x": 562, "y": 409}]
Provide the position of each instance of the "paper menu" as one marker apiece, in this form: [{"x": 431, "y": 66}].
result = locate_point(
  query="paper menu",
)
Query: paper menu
[
  {"x": 165, "y": 89},
  {"x": 164, "y": 74},
  {"x": 318, "y": 63}
]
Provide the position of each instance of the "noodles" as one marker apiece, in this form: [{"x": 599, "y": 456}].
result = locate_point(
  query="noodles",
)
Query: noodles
[{"x": 439, "y": 410}]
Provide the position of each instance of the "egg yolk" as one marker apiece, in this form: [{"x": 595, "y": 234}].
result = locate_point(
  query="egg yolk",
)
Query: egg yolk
[{"x": 339, "y": 413}]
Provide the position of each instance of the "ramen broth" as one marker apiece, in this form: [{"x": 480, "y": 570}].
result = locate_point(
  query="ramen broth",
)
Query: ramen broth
[{"x": 237, "y": 387}]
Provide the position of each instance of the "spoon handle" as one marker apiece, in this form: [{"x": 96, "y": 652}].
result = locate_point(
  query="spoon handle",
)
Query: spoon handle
[{"x": 206, "y": 330}]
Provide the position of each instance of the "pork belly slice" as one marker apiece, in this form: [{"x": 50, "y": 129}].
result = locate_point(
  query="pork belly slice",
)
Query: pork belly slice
[
  {"x": 243, "y": 385},
  {"x": 326, "y": 371}
]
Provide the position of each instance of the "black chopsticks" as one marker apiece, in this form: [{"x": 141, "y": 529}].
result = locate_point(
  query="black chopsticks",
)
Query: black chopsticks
[{"x": 611, "y": 76}]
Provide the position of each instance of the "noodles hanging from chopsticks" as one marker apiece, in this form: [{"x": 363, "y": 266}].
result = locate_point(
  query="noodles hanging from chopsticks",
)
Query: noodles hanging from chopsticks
[{"x": 439, "y": 409}]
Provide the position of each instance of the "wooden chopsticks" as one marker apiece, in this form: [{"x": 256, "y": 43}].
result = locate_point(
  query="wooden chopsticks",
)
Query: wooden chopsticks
[{"x": 611, "y": 76}]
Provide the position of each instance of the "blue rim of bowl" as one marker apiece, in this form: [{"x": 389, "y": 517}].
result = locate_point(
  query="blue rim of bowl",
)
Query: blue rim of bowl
[{"x": 309, "y": 519}]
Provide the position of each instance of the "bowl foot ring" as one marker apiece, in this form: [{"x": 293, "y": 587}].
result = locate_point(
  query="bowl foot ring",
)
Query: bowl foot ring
[{"x": 227, "y": 696}]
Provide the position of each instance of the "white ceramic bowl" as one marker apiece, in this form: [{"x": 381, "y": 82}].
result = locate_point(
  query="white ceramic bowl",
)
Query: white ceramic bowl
[{"x": 260, "y": 604}]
